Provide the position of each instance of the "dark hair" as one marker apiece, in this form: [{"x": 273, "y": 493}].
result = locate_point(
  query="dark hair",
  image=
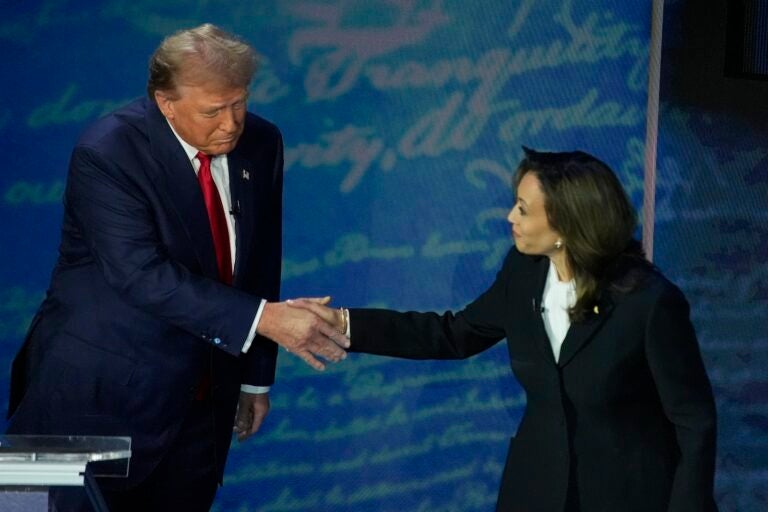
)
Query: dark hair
[
  {"x": 587, "y": 205},
  {"x": 205, "y": 52}
]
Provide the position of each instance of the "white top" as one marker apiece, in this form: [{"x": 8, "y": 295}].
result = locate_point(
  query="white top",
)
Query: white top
[
  {"x": 220, "y": 174},
  {"x": 558, "y": 297}
]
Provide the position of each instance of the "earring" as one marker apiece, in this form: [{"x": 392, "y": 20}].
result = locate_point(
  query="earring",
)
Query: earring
[{"x": 558, "y": 244}]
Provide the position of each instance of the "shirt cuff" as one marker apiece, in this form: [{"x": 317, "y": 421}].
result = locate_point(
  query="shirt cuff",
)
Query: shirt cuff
[
  {"x": 256, "y": 390},
  {"x": 252, "y": 332},
  {"x": 348, "y": 334}
]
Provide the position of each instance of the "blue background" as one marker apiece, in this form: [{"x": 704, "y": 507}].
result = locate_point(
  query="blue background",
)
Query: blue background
[{"x": 403, "y": 121}]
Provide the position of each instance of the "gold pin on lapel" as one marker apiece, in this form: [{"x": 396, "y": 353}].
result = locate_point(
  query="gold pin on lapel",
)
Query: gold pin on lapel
[
  {"x": 596, "y": 310},
  {"x": 246, "y": 175}
]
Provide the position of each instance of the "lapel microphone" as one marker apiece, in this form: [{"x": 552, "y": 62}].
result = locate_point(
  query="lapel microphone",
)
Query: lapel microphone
[{"x": 235, "y": 210}]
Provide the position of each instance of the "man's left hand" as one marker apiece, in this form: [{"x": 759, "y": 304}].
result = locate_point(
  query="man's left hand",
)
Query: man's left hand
[{"x": 252, "y": 408}]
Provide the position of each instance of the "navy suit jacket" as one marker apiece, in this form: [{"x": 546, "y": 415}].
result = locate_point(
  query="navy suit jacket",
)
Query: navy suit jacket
[
  {"x": 623, "y": 421},
  {"x": 135, "y": 315}
]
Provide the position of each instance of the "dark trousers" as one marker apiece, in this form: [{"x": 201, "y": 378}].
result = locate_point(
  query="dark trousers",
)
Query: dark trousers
[{"x": 185, "y": 479}]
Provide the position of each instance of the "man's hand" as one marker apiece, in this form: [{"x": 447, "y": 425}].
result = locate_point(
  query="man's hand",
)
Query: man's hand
[
  {"x": 333, "y": 316},
  {"x": 302, "y": 332},
  {"x": 252, "y": 408}
]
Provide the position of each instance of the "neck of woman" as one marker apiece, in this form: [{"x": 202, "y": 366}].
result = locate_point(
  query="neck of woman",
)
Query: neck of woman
[{"x": 561, "y": 265}]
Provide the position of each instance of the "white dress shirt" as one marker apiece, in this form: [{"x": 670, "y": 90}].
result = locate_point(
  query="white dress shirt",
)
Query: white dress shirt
[
  {"x": 220, "y": 174},
  {"x": 558, "y": 297}
]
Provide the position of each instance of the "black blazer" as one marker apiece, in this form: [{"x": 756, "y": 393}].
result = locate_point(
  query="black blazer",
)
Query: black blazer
[
  {"x": 624, "y": 421},
  {"x": 135, "y": 314}
]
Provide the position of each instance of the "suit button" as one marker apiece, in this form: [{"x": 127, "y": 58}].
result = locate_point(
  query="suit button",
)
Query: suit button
[{"x": 217, "y": 340}]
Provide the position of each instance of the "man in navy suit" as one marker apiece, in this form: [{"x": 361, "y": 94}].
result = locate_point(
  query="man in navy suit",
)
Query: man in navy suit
[{"x": 162, "y": 316}]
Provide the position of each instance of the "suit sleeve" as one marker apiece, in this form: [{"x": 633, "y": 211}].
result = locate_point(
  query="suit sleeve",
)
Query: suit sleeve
[
  {"x": 414, "y": 335},
  {"x": 260, "y": 361},
  {"x": 112, "y": 215},
  {"x": 686, "y": 395}
]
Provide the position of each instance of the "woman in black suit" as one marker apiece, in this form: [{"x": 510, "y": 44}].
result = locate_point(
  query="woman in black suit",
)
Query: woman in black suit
[{"x": 620, "y": 415}]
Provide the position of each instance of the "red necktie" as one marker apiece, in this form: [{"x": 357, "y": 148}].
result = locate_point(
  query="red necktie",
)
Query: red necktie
[{"x": 216, "y": 218}]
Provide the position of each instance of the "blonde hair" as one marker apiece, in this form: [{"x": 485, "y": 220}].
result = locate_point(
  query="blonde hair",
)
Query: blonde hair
[{"x": 201, "y": 54}]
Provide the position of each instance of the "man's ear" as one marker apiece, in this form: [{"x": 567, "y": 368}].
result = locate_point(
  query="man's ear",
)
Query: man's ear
[{"x": 164, "y": 103}]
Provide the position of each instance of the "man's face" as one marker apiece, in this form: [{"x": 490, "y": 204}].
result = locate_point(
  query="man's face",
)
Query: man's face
[{"x": 208, "y": 116}]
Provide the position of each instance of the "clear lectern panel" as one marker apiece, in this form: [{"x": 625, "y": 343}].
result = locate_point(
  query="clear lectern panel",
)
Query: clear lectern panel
[
  {"x": 61, "y": 460},
  {"x": 31, "y": 465}
]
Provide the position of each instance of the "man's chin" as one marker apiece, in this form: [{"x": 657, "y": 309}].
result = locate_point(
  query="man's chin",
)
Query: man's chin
[{"x": 220, "y": 148}]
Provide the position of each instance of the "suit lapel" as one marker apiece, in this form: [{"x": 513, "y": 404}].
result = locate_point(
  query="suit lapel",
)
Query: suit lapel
[
  {"x": 580, "y": 334},
  {"x": 241, "y": 175},
  {"x": 540, "y": 333},
  {"x": 178, "y": 182}
]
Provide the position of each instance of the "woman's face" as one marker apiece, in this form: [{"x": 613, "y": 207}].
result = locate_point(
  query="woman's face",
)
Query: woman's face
[{"x": 530, "y": 227}]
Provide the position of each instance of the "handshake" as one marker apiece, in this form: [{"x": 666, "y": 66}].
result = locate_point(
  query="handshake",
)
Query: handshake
[{"x": 308, "y": 328}]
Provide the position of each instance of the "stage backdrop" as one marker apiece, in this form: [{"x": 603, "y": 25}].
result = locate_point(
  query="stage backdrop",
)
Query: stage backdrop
[{"x": 403, "y": 121}]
